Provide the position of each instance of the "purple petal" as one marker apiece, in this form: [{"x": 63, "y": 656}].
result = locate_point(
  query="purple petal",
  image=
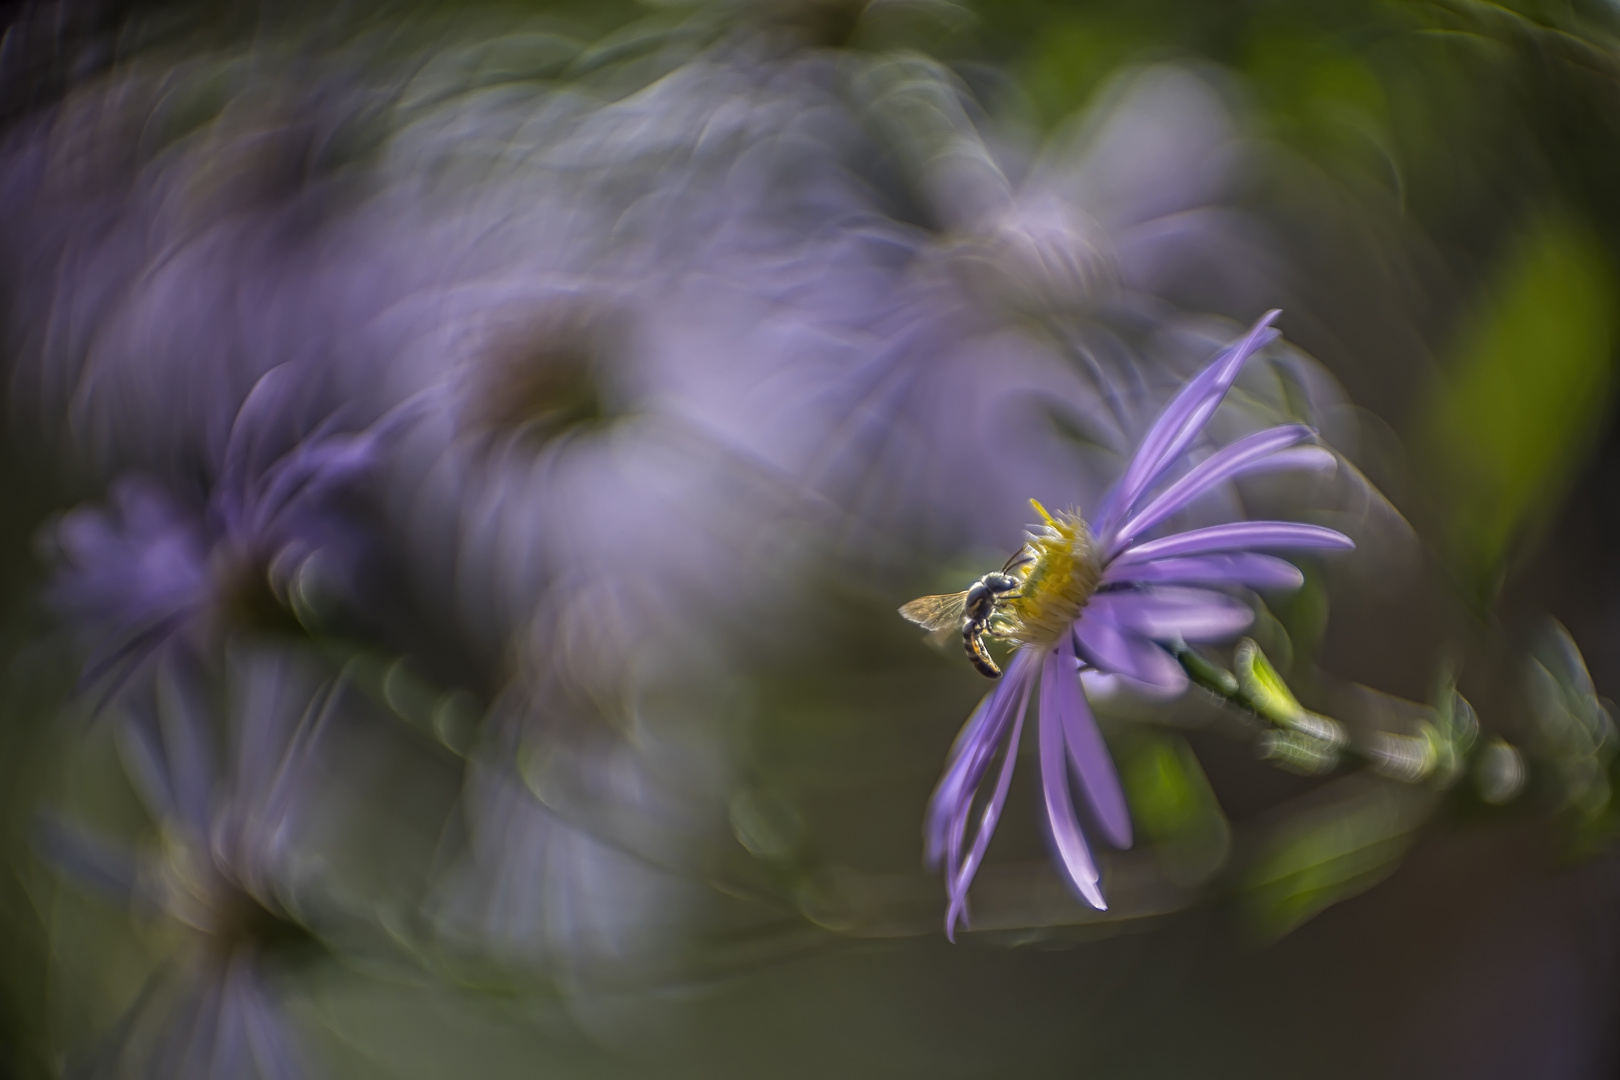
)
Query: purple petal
[
  {"x": 187, "y": 746},
  {"x": 1061, "y": 695},
  {"x": 269, "y": 1044},
  {"x": 1183, "y": 419},
  {"x": 1237, "y": 536},
  {"x": 140, "y": 749},
  {"x": 311, "y": 470},
  {"x": 1066, "y": 835},
  {"x": 1229, "y": 462},
  {"x": 946, "y": 817},
  {"x": 1170, "y": 612},
  {"x": 1106, "y": 646},
  {"x": 953, "y": 869},
  {"x": 1315, "y": 458},
  {"x": 962, "y": 878},
  {"x": 229, "y": 1055},
  {"x": 1255, "y": 571},
  {"x": 971, "y": 755},
  {"x": 187, "y": 1034},
  {"x": 91, "y": 860}
]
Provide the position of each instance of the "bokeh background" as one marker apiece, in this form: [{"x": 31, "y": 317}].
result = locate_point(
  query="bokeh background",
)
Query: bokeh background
[{"x": 462, "y": 462}]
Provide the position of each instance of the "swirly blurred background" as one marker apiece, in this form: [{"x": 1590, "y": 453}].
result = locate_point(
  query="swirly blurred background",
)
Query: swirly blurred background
[{"x": 462, "y": 461}]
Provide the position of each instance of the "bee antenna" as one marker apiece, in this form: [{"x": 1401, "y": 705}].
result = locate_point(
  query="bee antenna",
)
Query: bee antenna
[{"x": 1019, "y": 558}]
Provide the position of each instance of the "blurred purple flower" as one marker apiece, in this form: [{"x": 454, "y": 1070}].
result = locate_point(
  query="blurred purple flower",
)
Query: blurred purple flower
[
  {"x": 232, "y": 803},
  {"x": 1104, "y": 601},
  {"x": 150, "y": 572}
]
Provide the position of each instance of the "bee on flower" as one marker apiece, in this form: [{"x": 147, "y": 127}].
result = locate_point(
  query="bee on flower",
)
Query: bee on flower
[{"x": 1107, "y": 596}]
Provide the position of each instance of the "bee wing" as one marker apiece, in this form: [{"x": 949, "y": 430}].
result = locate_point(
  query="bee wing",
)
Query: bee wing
[{"x": 936, "y": 612}]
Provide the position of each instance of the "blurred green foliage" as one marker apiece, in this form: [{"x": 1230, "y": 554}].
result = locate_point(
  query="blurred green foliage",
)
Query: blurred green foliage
[
  {"x": 1578, "y": 738},
  {"x": 1174, "y": 806},
  {"x": 1076, "y": 53},
  {"x": 1528, "y": 382},
  {"x": 1346, "y": 845}
]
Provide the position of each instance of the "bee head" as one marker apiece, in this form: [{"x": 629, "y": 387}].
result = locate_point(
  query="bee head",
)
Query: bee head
[{"x": 996, "y": 583}]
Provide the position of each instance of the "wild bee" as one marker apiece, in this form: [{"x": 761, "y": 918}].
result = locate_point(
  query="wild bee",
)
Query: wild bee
[{"x": 972, "y": 609}]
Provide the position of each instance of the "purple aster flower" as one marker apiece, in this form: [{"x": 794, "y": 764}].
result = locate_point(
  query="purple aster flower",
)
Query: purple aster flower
[
  {"x": 233, "y": 805},
  {"x": 270, "y": 537},
  {"x": 1107, "y": 600}
]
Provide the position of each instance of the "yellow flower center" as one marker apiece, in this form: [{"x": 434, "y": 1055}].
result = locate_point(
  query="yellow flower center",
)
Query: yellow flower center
[{"x": 1055, "y": 582}]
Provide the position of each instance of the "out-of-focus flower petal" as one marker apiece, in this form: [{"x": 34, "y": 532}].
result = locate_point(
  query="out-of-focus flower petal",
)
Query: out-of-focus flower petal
[
  {"x": 106, "y": 867},
  {"x": 183, "y": 732},
  {"x": 269, "y": 1045},
  {"x": 191, "y": 1025},
  {"x": 1160, "y": 143}
]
